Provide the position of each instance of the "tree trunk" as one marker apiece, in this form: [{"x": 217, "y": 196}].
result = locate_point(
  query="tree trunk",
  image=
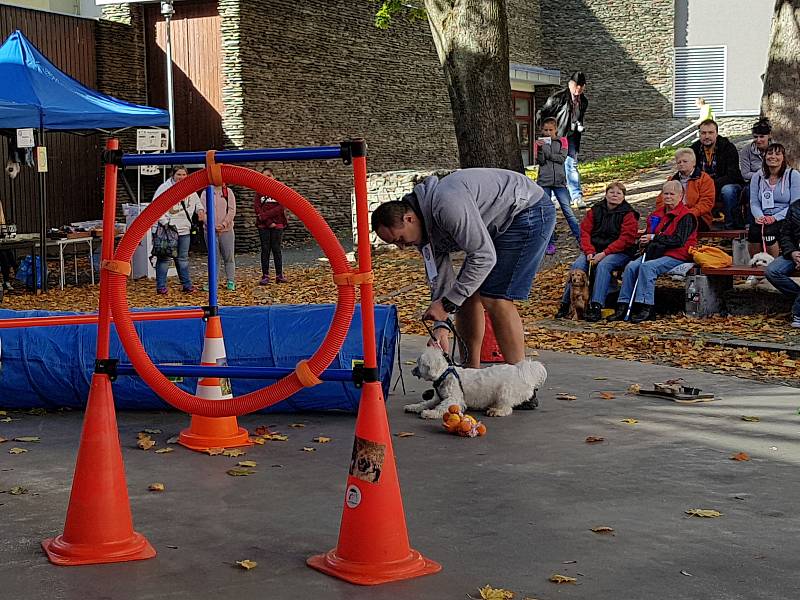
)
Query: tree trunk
[
  {"x": 471, "y": 39},
  {"x": 781, "y": 99}
]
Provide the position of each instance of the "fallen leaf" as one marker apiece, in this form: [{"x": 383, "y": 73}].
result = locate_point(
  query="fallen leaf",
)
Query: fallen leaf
[
  {"x": 686, "y": 573},
  {"x": 246, "y": 463},
  {"x": 569, "y": 562},
  {"x": 247, "y": 564},
  {"x": 703, "y": 512},
  {"x": 17, "y": 450},
  {"x": 239, "y": 472},
  {"x": 6, "y": 420},
  {"x": 321, "y": 439},
  {"x": 489, "y": 593},
  {"x": 275, "y": 437},
  {"x": 18, "y": 490},
  {"x": 404, "y": 434},
  {"x": 172, "y": 547},
  {"x": 594, "y": 439},
  {"x": 27, "y": 438},
  {"x": 145, "y": 443},
  {"x": 37, "y": 411},
  {"x": 156, "y": 487},
  {"x": 152, "y": 431},
  {"x": 557, "y": 578},
  {"x": 214, "y": 451},
  {"x": 607, "y": 395},
  {"x": 2, "y": 439},
  {"x": 629, "y": 421},
  {"x": 565, "y": 396},
  {"x": 257, "y": 440},
  {"x": 634, "y": 388},
  {"x": 740, "y": 456},
  {"x": 604, "y": 530},
  {"x": 262, "y": 430},
  {"x": 3, "y": 413},
  {"x": 234, "y": 452},
  {"x": 409, "y": 362},
  {"x": 164, "y": 450},
  {"x": 173, "y": 440},
  {"x": 297, "y": 425},
  {"x": 307, "y": 449},
  {"x": 751, "y": 419}
]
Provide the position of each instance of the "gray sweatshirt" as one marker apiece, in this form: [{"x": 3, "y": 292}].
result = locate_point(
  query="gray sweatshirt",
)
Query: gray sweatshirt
[
  {"x": 750, "y": 161},
  {"x": 550, "y": 158},
  {"x": 464, "y": 211}
]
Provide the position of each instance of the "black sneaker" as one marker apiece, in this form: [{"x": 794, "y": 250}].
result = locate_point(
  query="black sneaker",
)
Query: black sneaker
[
  {"x": 645, "y": 312},
  {"x": 619, "y": 313},
  {"x": 593, "y": 312},
  {"x": 529, "y": 404}
]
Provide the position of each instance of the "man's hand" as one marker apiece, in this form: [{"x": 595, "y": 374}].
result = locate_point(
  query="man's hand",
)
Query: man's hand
[
  {"x": 646, "y": 239},
  {"x": 597, "y": 257},
  {"x": 441, "y": 338},
  {"x": 435, "y": 312}
]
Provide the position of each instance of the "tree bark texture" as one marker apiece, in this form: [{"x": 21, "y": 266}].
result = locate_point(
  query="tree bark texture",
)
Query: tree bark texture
[
  {"x": 471, "y": 39},
  {"x": 780, "y": 101}
]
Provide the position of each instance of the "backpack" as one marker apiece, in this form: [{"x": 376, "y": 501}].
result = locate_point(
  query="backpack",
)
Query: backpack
[{"x": 165, "y": 242}]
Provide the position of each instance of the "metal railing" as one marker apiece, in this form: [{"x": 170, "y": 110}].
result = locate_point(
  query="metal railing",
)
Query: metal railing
[{"x": 676, "y": 138}]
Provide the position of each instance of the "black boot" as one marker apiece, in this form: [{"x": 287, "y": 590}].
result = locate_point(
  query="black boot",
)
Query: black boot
[
  {"x": 563, "y": 311},
  {"x": 644, "y": 312},
  {"x": 594, "y": 312},
  {"x": 619, "y": 314}
]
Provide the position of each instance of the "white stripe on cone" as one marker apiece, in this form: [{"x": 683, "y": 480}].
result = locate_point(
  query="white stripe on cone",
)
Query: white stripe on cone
[
  {"x": 213, "y": 349},
  {"x": 209, "y": 388}
]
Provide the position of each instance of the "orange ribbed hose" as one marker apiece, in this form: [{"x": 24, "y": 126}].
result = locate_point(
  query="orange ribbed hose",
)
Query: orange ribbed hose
[{"x": 279, "y": 390}]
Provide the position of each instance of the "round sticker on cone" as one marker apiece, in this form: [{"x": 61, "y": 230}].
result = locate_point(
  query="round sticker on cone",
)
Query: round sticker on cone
[{"x": 352, "y": 497}]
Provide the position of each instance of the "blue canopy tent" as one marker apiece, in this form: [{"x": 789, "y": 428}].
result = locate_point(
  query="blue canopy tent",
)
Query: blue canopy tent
[{"x": 36, "y": 94}]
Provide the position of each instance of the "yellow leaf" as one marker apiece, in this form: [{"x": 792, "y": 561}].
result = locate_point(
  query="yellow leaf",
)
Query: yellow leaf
[
  {"x": 17, "y": 451},
  {"x": 751, "y": 419},
  {"x": 603, "y": 529},
  {"x": 557, "y": 578},
  {"x": 403, "y": 434},
  {"x": 164, "y": 450},
  {"x": 321, "y": 439},
  {"x": 746, "y": 365},
  {"x": 3, "y": 413},
  {"x": 17, "y": 490},
  {"x": 257, "y": 440},
  {"x": 565, "y": 396},
  {"x": 703, "y": 512},
  {"x": 247, "y": 564},
  {"x": 239, "y": 472},
  {"x": 27, "y": 438},
  {"x": 276, "y": 437},
  {"x": 156, "y": 487},
  {"x": 214, "y": 451},
  {"x": 234, "y": 452},
  {"x": 307, "y": 449},
  {"x": 740, "y": 456},
  {"x": 246, "y": 463},
  {"x": 629, "y": 421},
  {"x": 490, "y": 593},
  {"x": 607, "y": 395}
]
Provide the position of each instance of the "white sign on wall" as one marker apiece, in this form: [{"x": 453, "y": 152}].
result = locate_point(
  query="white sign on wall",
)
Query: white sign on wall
[
  {"x": 152, "y": 140},
  {"x": 25, "y": 138}
]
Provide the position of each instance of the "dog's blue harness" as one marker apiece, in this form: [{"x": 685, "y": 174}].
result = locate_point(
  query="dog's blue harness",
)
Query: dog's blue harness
[{"x": 451, "y": 370}]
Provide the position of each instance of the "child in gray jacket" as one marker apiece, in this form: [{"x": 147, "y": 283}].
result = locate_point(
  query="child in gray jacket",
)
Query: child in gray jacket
[{"x": 550, "y": 153}]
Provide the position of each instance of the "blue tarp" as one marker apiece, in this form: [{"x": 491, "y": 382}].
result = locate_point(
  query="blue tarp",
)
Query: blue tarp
[
  {"x": 51, "y": 367},
  {"x": 35, "y": 93}
]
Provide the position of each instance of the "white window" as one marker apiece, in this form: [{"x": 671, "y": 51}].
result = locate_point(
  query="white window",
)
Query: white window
[{"x": 699, "y": 71}]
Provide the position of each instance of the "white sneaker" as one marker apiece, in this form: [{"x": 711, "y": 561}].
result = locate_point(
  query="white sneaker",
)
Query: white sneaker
[
  {"x": 7, "y": 286},
  {"x": 796, "y": 321},
  {"x": 578, "y": 203},
  {"x": 751, "y": 280}
]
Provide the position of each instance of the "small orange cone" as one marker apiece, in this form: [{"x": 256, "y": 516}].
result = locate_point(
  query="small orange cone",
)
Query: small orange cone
[
  {"x": 213, "y": 432},
  {"x": 99, "y": 527},
  {"x": 373, "y": 541},
  {"x": 490, "y": 349}
]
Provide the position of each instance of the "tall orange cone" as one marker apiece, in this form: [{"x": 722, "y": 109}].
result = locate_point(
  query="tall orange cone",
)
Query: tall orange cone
[
  {"x": 373, "y": 541},
  {"x": 99, "y": 527},
  {"x": 213, "y": 432},
  {"x": 490, "y": 349}
]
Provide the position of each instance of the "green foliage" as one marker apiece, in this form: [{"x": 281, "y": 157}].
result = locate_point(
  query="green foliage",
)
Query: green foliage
[{"x": 390, "y": 8}]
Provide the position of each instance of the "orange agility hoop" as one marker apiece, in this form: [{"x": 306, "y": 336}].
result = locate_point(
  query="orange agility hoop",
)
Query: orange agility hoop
[{"x": 288, "y": 385}]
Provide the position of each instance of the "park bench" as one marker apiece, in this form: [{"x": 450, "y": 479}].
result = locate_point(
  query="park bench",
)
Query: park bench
[{"x": 722, "y": 234}]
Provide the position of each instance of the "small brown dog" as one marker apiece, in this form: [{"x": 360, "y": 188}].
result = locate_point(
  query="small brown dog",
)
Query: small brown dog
[{"x": 579, "y": 294}]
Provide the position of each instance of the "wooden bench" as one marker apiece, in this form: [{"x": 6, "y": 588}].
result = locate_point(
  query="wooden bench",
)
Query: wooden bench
[
  {"x": 722, "y": 234},
  {"x": 738, "y": 271}
]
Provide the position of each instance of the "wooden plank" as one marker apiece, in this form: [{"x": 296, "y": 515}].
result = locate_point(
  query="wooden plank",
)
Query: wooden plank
[
  {"x": 738, "y": 271},
  {"x": 727, "y": 234}
]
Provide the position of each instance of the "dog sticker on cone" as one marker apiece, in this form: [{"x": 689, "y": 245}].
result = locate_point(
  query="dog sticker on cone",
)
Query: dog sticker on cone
[{"x": 367, "y": 460}]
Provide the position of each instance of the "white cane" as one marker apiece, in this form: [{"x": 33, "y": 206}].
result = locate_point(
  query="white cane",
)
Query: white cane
[{"x": 635, "y": 284}]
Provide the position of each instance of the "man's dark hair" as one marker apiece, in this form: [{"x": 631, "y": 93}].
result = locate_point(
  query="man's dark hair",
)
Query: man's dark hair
[
  {"x": 176, "y": 168},
  {"x": 709, "y": 122},
  {"x": 390, "y": 214},
  {"x": 762, "y": 127},
  {"x": 552, "y": 120},
  {"x": 578, "y": 77},
  {"x": 774, "y": 147}
]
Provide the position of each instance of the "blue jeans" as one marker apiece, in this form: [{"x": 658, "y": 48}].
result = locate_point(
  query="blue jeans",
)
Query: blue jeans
[
  {"x": 520, "y": 250},
  {"x": 181, "y": 263},
  {"x": 573, "y": 177},
  {"x": 730, "y": 201},
  {"x": 562, "y": 195},
  {"x": 642, "y": 275},
  {"x": 777, "y": 273},
  {"x": 602, "y": 275}
]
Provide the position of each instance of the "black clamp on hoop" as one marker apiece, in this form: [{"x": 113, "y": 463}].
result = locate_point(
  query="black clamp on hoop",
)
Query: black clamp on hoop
[
  {"x": 111, "y": 157},
  {"x": 106, "y": 366},
  {"x": 210, "y": 311},
  {"x": 353, "y": 148},
  {"x": 363, "y": 375}
]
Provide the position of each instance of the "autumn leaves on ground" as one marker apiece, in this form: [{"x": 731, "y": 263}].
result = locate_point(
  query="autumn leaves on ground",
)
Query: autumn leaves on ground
[{"x": 399, "y": 279}]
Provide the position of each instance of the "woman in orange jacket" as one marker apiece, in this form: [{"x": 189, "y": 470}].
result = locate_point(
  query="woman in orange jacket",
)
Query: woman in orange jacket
[{"x": 699, "y": 194}]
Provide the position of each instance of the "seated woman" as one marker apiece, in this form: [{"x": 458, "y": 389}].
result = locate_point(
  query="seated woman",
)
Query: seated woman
[
  {"x": 608, "y": 241},
  {"x": 699, "y": 194},
  {"x": 673, "y": 231},
  {"x": 771, "y": 191}
]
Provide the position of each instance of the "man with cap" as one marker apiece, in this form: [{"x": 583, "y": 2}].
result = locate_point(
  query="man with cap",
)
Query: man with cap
[
  {"x": 568, "y": 108},
  {"x": 496, "y": 217}
]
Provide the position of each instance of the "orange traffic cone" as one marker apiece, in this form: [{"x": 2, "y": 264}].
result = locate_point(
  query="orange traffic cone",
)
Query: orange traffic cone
[
  {"x": 213, "y": 432},
  {"x": 490, "y": 349},
  {"x": 99, "y": 527},
  {"x": 373, "y": 541}
]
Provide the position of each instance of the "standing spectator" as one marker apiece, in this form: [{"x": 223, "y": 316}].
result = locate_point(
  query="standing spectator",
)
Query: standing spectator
[
  {"x": 706, "y": 112},
  {"x": 779, "y": 270},
  {"x": 608, "y": 241},
  {"x": 772, "y": 190},
  {"x": 224, "y": 212},
  {"x": 664, "y": 249},
  {"x": 180, "y": 217},
  {"x": 718, "y": 157},
  {"x": 550, "y": 153},
  {"x": 568, "y": 107},
  {"x": 751, "y": 157},
  {"x": 271, "y": 222},
  {"x": 698, "y": 188}
]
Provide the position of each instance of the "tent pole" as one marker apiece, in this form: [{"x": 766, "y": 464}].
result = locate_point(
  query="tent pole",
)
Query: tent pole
[
  {"x": 42, "y": 221},
  {"x": 168, "y": 10}
]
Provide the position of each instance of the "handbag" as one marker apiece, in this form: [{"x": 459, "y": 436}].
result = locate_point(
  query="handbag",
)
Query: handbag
[
  {"x": 710, "y": 256},
  {"x": 165, "y": 242},
  {"x": 194, "y": 221}
]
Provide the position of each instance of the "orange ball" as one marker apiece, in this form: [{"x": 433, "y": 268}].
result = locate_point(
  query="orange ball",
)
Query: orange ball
[
  {"x": 465, "y": 426},
  {"x": 481, "y": 429},
  {"x": 454, "y": 409}
]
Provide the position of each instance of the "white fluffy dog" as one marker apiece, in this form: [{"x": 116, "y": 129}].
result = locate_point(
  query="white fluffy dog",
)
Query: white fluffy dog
[
  {"x": 498, "y": 388},
  {"x": 760, "y": 259}
]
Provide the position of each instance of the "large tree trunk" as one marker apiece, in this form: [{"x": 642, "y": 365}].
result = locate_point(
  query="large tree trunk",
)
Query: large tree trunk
[
  {"x": 471, "y": 39},
  {"x": 781, "y": 99}
]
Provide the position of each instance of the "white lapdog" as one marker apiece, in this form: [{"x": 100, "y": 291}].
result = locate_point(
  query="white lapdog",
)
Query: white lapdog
[
  {"x": 498, "y": 388},
  {"x": 762, "y": 260}
]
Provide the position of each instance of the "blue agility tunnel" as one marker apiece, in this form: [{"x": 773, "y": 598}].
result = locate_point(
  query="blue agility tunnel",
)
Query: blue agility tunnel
[{"x": 51, "y": 367}]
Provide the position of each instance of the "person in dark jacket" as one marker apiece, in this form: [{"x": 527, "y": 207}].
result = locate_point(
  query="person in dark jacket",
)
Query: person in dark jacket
[
  {"x": 608, "y": 241},
  {"x": 568, "y": 107},
  {"x": 779, "y": 270},
  {"x": 718, "y": 156},
  {"x": 271, "y": 222},
  {"x": 673, "y": 232}
]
